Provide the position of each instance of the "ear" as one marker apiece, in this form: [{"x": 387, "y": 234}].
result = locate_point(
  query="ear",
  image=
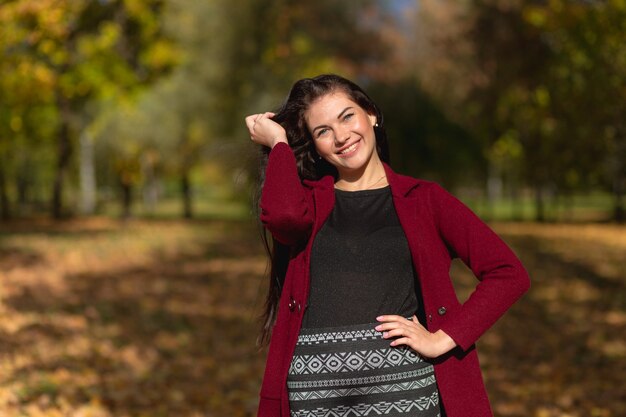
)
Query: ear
[{"x": 373, "y": 119}]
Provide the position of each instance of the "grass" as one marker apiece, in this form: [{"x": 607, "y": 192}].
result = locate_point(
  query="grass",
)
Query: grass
[
  {"x": 156, "y": 317},
  {"x": 589, "y": 207},
  {"x": 203, "y": 208}
]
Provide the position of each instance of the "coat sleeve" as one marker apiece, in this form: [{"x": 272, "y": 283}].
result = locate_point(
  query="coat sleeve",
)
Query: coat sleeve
[
  {"x": 503, "y": 278},
  {"x": 286, "y": 209}
]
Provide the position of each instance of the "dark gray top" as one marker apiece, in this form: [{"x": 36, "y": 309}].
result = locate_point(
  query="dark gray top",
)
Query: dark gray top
[{"x": 360, "y": 263}]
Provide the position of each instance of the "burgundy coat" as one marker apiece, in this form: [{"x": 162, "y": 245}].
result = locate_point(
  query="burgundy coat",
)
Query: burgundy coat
[{"x": 438, "y": 228}]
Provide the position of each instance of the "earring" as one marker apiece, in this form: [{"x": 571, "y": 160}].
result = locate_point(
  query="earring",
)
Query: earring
[{"x": 376, "y": 124}]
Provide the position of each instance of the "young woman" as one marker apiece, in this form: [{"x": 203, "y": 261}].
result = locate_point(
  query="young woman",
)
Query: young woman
[{"x": 361, "y": 315}]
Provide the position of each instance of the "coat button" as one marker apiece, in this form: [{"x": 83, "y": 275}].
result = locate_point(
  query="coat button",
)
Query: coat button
[
  {"x": 292, "y": 304},
  {"x": 441, "y": 311}
]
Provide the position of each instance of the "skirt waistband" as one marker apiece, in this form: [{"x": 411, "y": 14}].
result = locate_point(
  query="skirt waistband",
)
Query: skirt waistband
[
  {"x": 343, "y": 333},
  {"x": 332, "y": 335}
]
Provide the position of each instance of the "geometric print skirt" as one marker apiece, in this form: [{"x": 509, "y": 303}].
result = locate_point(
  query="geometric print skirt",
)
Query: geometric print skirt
[{"x": 351, "y": 371}]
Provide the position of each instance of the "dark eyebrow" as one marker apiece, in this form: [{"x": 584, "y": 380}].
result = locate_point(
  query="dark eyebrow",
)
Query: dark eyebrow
[
  {"x": 338, "y": 117},
  {"x": 344, "y": 110}
]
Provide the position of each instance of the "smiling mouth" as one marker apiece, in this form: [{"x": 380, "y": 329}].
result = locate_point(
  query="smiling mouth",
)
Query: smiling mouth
[{"x": 349, "y": 149}]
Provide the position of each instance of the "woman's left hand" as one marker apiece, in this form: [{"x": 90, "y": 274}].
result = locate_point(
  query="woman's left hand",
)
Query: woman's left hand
[{"x": 413, "y": 334}]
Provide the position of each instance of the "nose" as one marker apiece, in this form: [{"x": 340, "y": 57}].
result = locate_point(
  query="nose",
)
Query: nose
[{"x": 342, "y": 136}]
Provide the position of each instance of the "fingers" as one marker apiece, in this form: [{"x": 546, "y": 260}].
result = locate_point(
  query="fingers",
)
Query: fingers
[
  {"x": 399, "y": 329},
  {"x": 390, "y": 317},
  {"x": 401, "y": 341},
  {"x": 250, "y": 120},
  {"x": 257, "y": 116},
  {"x": 264, "y": 131},
  {"x": 396, "y": 332},
  {"x": 394, "y": 321},
  {"x": 253, "y": 119},
  {"x": 409, "y": 332},
  {"x": 388, "y": 326},
  {"x": 397, "y": 326}
]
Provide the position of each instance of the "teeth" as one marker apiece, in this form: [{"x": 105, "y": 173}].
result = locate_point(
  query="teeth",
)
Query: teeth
[{"x": 349, "y": 148}]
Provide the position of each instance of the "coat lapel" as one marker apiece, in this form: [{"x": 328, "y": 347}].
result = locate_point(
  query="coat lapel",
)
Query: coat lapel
[
  {"x": 406, "y": 205},
  {"x": 324, "y": 199}
]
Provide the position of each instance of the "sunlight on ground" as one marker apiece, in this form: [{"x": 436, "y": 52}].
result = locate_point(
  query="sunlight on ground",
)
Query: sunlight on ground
[{"x": 157, "y": 318}]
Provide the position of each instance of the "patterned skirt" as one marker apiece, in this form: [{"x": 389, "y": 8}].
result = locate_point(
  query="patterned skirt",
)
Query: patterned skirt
[{"x": 351, "y": 371}]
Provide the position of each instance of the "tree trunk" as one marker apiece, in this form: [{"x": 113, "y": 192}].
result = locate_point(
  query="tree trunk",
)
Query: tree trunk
[
  {"x": 540, "y": 214},
  {"x": 5, "y": 210},
  {"x": 21, "y": 186},
  {"x": 150, "y": 190},
  {"x": 494, "y": 190},
  {"x": 127, "y": 199},
  {"x": 185, "y": 188},
  {"x": 569, "y": 204},
  {"x": 619, "y": 214},
  {"x": 87, "y": 174},
  {"x": 517, "y": 213},
  {"x": 64, "y": 152},
  {"x": 619, "y": 178}
]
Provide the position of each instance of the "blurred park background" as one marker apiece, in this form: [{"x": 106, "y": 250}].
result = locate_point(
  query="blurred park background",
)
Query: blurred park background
[{"x": 131, "y": 266}]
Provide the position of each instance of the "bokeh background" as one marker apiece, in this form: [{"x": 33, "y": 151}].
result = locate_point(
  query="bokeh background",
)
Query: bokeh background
[{"x": 131, "y": 266}]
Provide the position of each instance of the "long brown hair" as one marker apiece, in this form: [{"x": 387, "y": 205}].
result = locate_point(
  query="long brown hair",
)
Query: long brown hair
[{"x": 291, "y": 117}]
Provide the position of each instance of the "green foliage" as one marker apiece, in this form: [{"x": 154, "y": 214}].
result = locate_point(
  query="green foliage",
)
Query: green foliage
[
  {"x": 64, "y": 55},
  {"x": 546, "y": 78},
  {"x": 423, "y": 141},
  {"x": 529, "y": 92},
  {"x": 193, "y": 116}
]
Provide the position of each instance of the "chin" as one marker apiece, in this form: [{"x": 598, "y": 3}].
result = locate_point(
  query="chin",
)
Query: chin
[{"x": 352, "y": 165}]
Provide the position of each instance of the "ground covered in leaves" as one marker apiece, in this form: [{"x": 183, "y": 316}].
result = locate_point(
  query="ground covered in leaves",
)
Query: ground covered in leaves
[{"x": 158, "y": 318}]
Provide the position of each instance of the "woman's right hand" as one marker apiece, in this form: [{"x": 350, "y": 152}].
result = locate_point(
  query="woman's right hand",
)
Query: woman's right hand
[{"x": 264, "y": 131}]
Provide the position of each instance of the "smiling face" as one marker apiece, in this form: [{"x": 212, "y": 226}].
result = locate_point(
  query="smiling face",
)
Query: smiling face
[{"x": 343, "y": 133}]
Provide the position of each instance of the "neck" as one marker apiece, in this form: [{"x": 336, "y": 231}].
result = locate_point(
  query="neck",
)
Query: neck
[{"x": 370, "y": 176}]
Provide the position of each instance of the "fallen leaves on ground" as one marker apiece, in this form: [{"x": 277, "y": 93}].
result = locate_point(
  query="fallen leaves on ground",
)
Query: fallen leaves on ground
[{"x": 100, "y": 318}]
